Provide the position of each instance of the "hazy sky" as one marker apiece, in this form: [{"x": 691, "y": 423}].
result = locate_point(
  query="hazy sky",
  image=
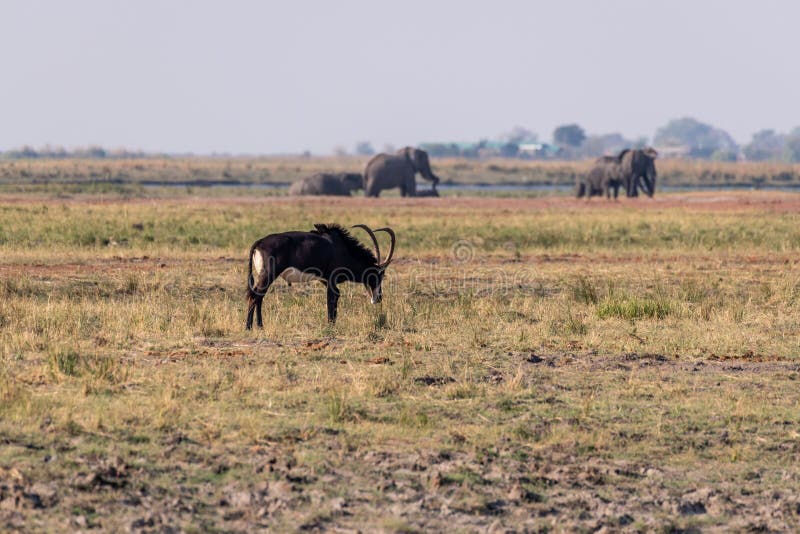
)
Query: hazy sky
[{"x": 286, "y": 76}]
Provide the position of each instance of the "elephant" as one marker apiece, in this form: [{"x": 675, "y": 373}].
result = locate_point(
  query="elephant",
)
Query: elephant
[
  {"x": 339, "y": 184},
  {"x": 638, "y": 168},
  {"x": 604, "y": 177},
  {"x": 386, "y": 171}
]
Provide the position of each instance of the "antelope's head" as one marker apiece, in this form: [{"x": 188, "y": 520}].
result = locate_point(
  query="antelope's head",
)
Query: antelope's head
[{"x": 372, "y": 277}]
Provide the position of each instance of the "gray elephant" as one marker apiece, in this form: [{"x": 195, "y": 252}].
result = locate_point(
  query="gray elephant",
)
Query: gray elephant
[
  {"x": 387, "y": 171},
  {"x": 338, "y": 184},
  {"x": 605, "y": 177},
  {"x": 638, "y": 168}
]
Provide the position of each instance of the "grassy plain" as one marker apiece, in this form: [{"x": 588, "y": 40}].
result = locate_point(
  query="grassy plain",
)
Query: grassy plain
[
  {"x": 127, "y": 176},
  {"x": 540, "y": 364}
]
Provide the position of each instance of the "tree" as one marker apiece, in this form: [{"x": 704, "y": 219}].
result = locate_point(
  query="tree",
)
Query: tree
[
  {"x": 519, "y": 134},
  {"x": 597, "y": 145},
  {"x": 509, "y": 150},
  {"x": 25, "y": 152},
  {"x": 364, "y": 148},
  {"x": 92, "y": 151},
  {"x": 569, "y": 135},
  {"x": 437, "y": 150},
  {"x": 791, "y": 150},
  {"x": 724, "y": 154},
  {"x": 766, "y": 144},
  {"x": 702, "y": 139}
]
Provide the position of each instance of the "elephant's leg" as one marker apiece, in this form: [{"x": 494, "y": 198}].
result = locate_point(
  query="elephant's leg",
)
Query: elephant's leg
[
  {"x": 411, "y": 186},
  {"x": 370, "y": 188}
]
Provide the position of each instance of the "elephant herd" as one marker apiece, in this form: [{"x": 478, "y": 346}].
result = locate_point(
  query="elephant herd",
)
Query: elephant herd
[
  {"x": 384, "y": 171},
  {"x": 633, "y": 169}
]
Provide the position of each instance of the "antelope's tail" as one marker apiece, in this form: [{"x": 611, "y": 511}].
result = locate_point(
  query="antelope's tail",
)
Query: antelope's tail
[{"x": 251, "y": 289}]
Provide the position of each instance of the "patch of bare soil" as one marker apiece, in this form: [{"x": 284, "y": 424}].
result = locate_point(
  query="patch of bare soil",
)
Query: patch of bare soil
[
  {"x": 508, "y": 486},
  {"x": 494, "y": 489}
]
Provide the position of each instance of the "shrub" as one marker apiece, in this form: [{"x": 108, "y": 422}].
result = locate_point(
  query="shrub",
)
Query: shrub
[{"x": 632, "y": 308}]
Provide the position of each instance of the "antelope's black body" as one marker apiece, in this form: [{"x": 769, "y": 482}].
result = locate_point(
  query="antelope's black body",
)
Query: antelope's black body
[{"x": 328, "y": 254}]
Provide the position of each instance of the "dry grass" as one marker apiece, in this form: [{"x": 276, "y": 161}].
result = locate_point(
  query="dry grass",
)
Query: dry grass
[{"x": 540, "y": 365}]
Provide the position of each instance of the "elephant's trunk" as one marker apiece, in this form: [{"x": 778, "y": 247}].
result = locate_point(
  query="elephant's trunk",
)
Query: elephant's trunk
[
  {"x": 427, "y": 173},
  {"x": 430, "y": 176}
]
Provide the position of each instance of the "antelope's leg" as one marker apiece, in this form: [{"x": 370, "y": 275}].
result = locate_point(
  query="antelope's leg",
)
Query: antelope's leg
[
  {"x": 333, "y": 301},
  {"x": 251, "y": 307},
  {"x": 255, "y": 296},
  {"x": 260, "y": 298}
]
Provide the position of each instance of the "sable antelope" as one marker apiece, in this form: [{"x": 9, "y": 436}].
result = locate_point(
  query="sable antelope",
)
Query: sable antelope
[{"x": 329, "y": 254}]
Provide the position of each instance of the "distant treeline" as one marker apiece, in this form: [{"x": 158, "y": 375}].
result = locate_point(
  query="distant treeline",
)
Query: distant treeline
[
  {"x": 89, "y": 152},
  {"x": 684, "y": 138}
]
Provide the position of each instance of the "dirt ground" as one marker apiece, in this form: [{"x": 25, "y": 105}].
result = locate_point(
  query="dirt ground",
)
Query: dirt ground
[{"x": 190, "y": 486}]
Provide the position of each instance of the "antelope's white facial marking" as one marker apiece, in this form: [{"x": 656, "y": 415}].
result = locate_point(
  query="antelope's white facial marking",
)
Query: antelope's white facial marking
[
  {"x": 375, "y": 295},
  {"x": 294, "y": 276},
  {"x": 258, "y": 262}
]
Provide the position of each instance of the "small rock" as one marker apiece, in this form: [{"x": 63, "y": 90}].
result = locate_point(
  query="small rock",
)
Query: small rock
[
  {"x": 337, "y": 504},
  {"x": 85, "y": 481},
  {"x": 625, "y": 519},
  {"x": 240, "y": 499},
  {"x": 434, "y": 380},
  {"x": 281, "y": 489},
  {"x": 691, "y": 508},
  {"x": 435, "y": 481},
  {"x": 518, "y": 493},
  {"x": 33, "y": 500},
  {"x": 9, "y": 503},
  {"x": 652, "y": 472}
]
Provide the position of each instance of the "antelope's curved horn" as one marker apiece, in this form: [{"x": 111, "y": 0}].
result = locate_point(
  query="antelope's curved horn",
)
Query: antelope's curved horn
[
  {"x": 391, "y": 247},
  {"x": 374, "y": 239}
]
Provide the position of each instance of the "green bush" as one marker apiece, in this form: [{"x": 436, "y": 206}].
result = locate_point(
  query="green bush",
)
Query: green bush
[{"x": 632, "y": 308}]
